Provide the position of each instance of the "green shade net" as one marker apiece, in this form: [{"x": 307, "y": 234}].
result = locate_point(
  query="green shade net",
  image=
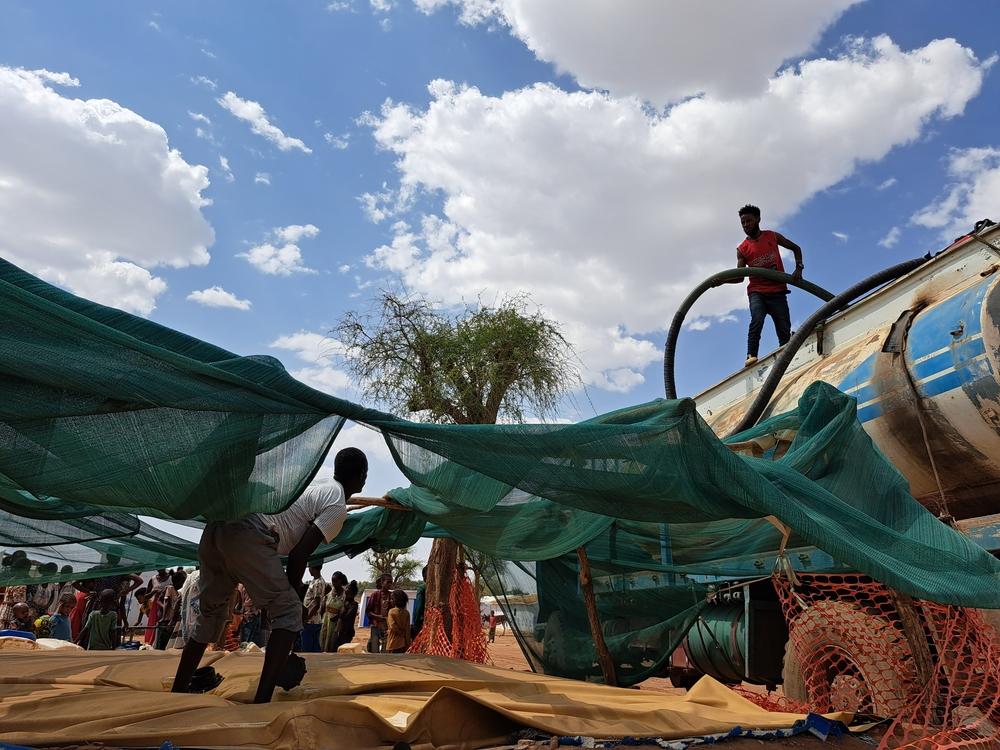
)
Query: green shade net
[{"x": 107, "y": 416}]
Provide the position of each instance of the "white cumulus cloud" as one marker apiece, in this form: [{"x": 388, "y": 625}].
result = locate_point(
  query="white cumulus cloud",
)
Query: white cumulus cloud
[
  {"x": 657, "y": 50},
  {"x": 317, "y": 353},
  {"x": 199, "y": 117},
  {"x": 226, "y": 171},
  {"x": 339, "y": 142},
  {"x": 216, "y": 296},
  {"x": 841, "y": 236},
  {"x": 572, "y": 196},
  {"x": 262, "y": 178},
  {"x": 974, "y": 193},
  {"x": 92, "y": 196},
  {"x": 60, "y": 79},
  {"x": 891, "y": 238},
  {"x": 254, "y": 114},
  {"x": 886, "y": 183},
  {"x": 279, "y": 254},
  {"x": 204, "y": 81}
]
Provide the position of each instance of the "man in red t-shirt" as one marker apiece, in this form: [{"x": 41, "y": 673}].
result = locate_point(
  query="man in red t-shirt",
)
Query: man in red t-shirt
[{"x": 760, "y": 250}]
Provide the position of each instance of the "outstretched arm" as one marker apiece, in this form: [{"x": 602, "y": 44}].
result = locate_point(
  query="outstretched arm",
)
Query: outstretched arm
[
  {"x": 740, "y": 263},
  {"x": 796, "y": 251}
]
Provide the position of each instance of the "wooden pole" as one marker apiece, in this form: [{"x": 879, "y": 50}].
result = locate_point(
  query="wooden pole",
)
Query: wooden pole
[
  {"x": 441, "y": 565},
  {"x": 603, "y": 655},
  {"x": 357, "y": 502},
  {"x": 909, "y": 618}
]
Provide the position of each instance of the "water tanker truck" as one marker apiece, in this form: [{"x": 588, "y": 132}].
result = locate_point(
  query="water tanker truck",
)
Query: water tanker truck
[{"x": 919, "y": 349}]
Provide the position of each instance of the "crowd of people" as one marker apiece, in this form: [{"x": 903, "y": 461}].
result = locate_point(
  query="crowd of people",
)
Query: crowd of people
[
  {"x": 98, "y": 613},
  {"x": 94, "y": 613}
]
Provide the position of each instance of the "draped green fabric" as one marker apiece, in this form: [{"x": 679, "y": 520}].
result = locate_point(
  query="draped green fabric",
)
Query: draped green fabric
[{"x": 106, "y": 416}]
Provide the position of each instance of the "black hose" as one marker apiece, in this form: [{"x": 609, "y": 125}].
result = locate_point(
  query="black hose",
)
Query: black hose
[
  {"x": 832, "y": 306},
  {"x": 669, "y": 386}
]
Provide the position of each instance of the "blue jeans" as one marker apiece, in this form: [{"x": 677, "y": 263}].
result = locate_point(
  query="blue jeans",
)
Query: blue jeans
[
  {"x": 252, "y": 630},
  {"x": 310, "y": 637},
  {"x": 774, "y": 304}
]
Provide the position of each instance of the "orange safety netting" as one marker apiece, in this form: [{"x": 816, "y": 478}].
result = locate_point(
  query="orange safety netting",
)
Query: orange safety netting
[
  {"x": 931, "y": 668},
  {"x": 770, "y": 700},
  {"x": 231, "y": 637},
  {"x": 466, "y": 640}
]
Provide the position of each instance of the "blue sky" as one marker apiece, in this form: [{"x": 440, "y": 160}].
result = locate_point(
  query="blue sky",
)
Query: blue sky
[{"x": 591, "y": 154}]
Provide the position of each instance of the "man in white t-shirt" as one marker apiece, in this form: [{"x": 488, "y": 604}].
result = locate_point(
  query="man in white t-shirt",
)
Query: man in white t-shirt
[{"x": 249, "y": 551}]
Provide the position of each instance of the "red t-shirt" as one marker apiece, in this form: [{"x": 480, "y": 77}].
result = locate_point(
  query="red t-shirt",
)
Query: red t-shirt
[{"x": 763, "y": 253}]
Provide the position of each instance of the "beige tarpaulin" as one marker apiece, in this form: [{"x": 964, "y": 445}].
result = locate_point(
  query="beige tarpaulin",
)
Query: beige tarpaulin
[{"x": 346, "y": 701}]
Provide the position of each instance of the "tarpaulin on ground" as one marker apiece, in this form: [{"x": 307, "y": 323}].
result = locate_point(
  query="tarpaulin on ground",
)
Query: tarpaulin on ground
[{"x": 345, "y": 701}]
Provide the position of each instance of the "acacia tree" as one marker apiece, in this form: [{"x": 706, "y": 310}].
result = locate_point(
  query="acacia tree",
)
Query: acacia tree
[
  {"x": 396, "y": 562},
  {"x": 479, "y": 365},
  {"x": 487, "y": 571}
]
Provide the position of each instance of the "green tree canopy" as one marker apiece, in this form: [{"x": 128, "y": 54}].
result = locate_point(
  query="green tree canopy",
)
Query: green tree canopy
[
  {"x": 396, "y": 562},
  {"x": 474, "y": 367}
]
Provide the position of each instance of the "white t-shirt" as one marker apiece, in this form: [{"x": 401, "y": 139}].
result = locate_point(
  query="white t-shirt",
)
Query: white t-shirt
[{"x": 324, "y": 506}]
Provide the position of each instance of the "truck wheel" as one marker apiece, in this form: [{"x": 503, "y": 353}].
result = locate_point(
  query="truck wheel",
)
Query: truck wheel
[
  {"x": 555, "y": 655},
  {"x": 852, "y": 661},
  {"x": 684, "y": 678}
]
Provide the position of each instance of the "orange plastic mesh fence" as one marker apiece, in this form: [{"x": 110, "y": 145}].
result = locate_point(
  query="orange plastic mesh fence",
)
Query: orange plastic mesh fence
[
  {"x": 467, "y": 637},
  {"x": 231, "y": 638},
  {"x": 855, "y": 645},
  {"x": 432, "y": 638},
  {"x": 771, "y": 700},
  {"x": 466, "y": 640}
]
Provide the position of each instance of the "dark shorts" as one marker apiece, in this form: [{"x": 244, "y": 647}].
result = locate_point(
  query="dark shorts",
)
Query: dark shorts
[{"x": 243, "y": 551}]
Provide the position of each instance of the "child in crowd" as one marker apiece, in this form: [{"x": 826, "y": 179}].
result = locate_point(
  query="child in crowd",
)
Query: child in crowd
[
  {"x": 101, "y": 632},
  {"x": 170, "y": 601},
  {"x": 143, "y": 602},
  {"x": 59, "y": 623},
  {"x": 332, "y": 608},
  {"x": 398, "y": 636},
  {"x": 348, "y": 616},
  {"x": 21, "y": 618}
]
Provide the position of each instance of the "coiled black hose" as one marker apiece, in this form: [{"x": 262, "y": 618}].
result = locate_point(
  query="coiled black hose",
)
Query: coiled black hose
[
  {"x": 716, "y": 279},
  {"x": 832, "y": 306}
]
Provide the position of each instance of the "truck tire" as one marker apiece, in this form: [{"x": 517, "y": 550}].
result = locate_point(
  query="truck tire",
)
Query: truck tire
[
  {"x": 555, "y": 650},
  {"x": 852, "y": 661}
]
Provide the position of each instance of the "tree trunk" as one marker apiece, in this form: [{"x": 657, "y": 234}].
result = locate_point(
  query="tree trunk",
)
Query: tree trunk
[
  {"x": 440, "y": 569},
  {"x": 604, "y": 658}
]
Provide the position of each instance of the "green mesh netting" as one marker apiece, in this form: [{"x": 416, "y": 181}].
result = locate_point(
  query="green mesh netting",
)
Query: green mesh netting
[{"x": 106, "y": 416}]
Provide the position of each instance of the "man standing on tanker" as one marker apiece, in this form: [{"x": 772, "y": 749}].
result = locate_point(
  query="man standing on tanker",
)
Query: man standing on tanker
[
  {"x": 249, "y": 551},
  {"x": 760, "y": 250}
]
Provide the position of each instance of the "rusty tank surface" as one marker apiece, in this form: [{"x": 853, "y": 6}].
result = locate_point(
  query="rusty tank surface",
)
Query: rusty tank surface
[{"x": 922, "y": 357}]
